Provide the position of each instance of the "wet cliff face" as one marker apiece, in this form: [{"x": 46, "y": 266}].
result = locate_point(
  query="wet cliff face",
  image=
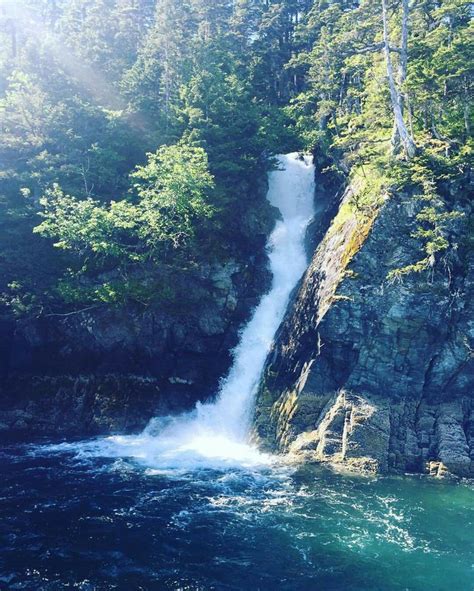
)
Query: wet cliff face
[
  {"x": 372, "y": 374},
  {"x": 111, "y": 370}
]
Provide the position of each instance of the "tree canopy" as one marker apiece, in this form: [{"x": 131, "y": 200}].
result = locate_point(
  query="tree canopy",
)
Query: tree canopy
[{"x": 134, "y": 133}]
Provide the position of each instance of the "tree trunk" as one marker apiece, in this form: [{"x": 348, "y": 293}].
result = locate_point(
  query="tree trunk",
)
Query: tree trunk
[
  {"x": 402, "y": 70},
  {"x": 395, "y": 96},
  {"x": 466, "y": 109}
]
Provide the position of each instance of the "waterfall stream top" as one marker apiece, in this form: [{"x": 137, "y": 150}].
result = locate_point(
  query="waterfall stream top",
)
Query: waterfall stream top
[{"x": 216, "y": 433}]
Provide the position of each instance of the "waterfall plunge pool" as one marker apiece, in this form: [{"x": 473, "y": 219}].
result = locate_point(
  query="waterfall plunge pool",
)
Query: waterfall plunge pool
[{"x": 78, "y": 521}]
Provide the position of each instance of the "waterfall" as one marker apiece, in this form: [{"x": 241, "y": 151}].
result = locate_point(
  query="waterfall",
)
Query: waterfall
[
  {"x": 291, "y": 190},
  {"x": 216, "y": 433}
]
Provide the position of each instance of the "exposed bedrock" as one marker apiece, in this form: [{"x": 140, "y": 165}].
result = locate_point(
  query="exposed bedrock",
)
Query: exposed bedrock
[
  {"x": 371, "y": 374},
  {"x": 111, "y": 370}
]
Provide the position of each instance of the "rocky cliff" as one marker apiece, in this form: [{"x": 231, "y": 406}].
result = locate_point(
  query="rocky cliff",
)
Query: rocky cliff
[
  {"x": 373, "y": 374},
  {"x": 111, "y": 369}
]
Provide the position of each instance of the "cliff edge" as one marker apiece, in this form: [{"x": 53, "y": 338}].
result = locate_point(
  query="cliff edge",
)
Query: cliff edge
[{"x": 376, "y": 374}]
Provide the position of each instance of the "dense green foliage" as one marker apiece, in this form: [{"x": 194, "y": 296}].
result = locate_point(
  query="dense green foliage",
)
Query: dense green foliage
[
  {"x": 171, "y": 196},
  {"x": 133, "y": 133},
  {"x": 168, "y": 204}
]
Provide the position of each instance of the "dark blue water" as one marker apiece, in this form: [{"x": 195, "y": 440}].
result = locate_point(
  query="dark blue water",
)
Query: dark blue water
[{"x": 94, "y": 524}]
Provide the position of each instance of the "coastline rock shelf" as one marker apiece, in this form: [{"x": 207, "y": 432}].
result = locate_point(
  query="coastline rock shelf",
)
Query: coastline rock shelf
[{"x": 372, "y": 374}]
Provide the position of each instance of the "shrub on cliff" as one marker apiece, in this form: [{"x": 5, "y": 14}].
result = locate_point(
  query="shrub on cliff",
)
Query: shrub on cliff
[{"x": 170, "y": 198}]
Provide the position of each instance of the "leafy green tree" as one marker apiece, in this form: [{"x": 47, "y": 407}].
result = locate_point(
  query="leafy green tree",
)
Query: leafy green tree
[
  {"x": 171, "y": 200},
  {"x": 173, "y": 190},
  {"x": 164, "y": 61},
  {"x": 218, "y": 113}
]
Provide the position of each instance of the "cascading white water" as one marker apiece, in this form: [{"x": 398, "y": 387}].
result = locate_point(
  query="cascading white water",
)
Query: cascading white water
[
  {"x": 291, "y": 190},
  {"x": 215, "y": 433}
]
